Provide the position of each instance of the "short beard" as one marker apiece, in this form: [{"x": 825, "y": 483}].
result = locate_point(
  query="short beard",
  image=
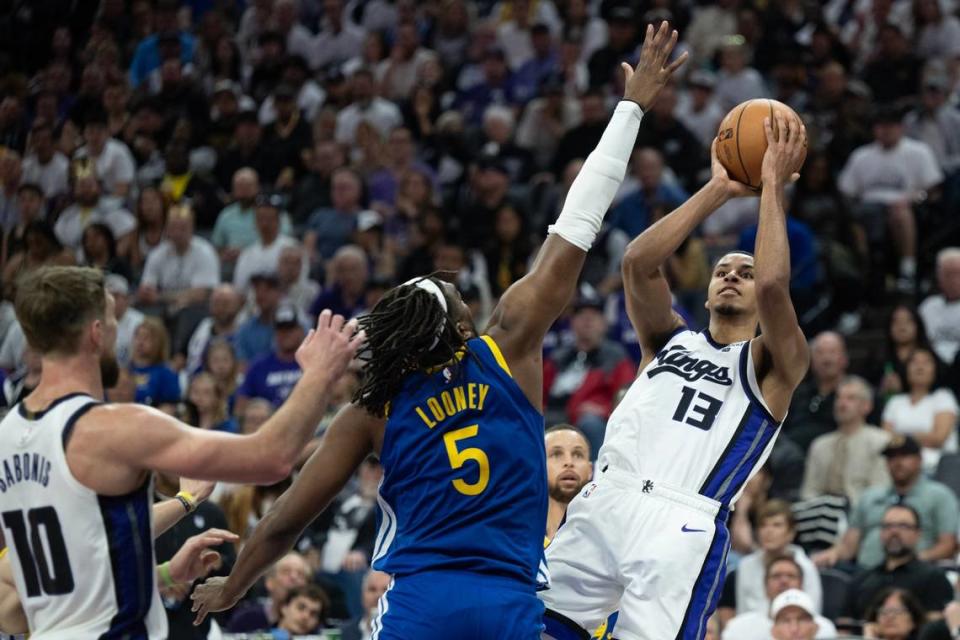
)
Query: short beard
[
  {"x": 109, "y": 370},
  {"x": 727, "y": 310},
  {"x": 562, "y": 495},
  {"x": 897, "y": 550}
]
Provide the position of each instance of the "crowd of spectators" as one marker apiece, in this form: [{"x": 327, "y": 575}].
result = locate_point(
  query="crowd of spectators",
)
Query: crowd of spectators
[{"x": 235, "y": 166}]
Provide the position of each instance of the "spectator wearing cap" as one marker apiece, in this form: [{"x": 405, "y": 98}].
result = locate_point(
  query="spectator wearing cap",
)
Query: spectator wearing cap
[
  {"x": 254, "y": 338},
  {"x": 901, "y": 568},
  {"x": 736, "y": 80},
  {"x": 338, "y": 40},
  {"x": 783, "y": 582},
  {"x": 157, "y": 384},
  {"x": 940, "y": 311},
  {"x": 497, "y": 86},
  {"x": 295, "y": 284},
  {"x": 893, "y": 70},
  {"x": 399, "y": 72},
  {"x": 290, "y": 136},
  {"x": 709, "y": 25},
  {"x": 221, "y": 324},
  {"x": 247, "y": 150},
  {"x": 793, "y": 619},
  {"x": 546, "y": 119},
  {"x": 348, "y": 275},
  {"x": 935, "y": 503},
  {"x": 632, "y": 215},
  {"x": 226, "y": 103},
  {"x": 697, "y": 109},
  {"x": 274, "y": 374},
  {"x": 296, "y": 75},
  {"x": 179, "y": 274},
  {"x": 148, "y": 55},
  {"x": 622, "y": 42},
  {"x": 44, "y": 164},
  {"x": 111, "y": 158},
  {"x": 581, "y": 380},
  {"x": 847, "y": 461},
  {"x": 883, "y": 180},
  {"x": 128, "y": 318},
  {"x": 365, "y": 106},
  {"x": 312, "y": 191},
  {"x": 264, "y": 254},
  {"x": 89, "y": 207},
  {"x": 936, "y": 123},
  {"x": 182, "y": 184},
  {"x": 328, "y": 229}
]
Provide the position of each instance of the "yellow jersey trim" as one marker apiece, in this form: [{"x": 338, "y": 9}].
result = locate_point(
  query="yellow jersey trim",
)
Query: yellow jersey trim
[
  {"x": 497, "y": 354},
  {"x": 3, "y": 552}
]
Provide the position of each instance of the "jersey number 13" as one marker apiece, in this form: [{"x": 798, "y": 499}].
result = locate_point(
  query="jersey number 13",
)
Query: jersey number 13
[{"x": 697, "y": 409}]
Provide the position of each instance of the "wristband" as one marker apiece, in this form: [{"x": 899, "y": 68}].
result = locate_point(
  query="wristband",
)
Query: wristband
[
  {"x": 187, "y": 500},
  {"x": 165, "y": 577}
]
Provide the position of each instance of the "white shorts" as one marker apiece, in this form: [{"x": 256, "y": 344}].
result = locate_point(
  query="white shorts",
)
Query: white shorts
[{"x": 655, "y": 553}]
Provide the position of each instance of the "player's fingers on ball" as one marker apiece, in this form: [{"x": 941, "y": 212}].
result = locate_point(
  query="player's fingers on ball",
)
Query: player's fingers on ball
[{"x": 768, "y": 130}]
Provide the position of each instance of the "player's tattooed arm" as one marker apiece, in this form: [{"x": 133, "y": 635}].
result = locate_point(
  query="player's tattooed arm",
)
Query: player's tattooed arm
[
  {"x": 349, "y": 439},
  {"x": 781, "y": 355}
]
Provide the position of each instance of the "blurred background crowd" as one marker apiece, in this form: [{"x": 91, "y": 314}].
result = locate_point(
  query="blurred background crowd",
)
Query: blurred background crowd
[{"x": 236, "y": 166}]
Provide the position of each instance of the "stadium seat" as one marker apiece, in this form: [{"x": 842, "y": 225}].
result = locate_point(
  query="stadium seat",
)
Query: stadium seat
[
  {"x": 835, "y": 586},
  {"x": 948, "y": 471}
]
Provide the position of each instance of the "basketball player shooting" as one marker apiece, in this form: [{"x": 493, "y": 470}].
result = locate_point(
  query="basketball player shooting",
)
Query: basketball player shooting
[
  {"x": 75, "y": 493},
  {"x": 649, "y": 536},
  {"x": 456, "y": 419}
]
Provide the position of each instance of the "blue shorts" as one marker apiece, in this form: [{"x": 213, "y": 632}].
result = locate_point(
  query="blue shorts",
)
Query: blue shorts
[{"x": 439, "y": 605}]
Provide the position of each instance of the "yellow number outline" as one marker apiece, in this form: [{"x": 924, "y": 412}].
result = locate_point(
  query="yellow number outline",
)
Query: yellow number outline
[{"x": 460, "y": 457}]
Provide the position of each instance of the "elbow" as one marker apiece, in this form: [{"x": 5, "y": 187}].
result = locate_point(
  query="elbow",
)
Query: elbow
[
  {"x": 772, "y": 286},
  {"x": 634, "y": 261},
  {"x": 275, "y": 471}
]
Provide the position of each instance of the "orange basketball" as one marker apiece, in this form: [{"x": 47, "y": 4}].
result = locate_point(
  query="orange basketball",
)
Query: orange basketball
[{"x": 741, "y": 141}]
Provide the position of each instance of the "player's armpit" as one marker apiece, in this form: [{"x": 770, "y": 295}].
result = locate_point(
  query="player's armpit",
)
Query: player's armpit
[{"x": 650, "y": 309}]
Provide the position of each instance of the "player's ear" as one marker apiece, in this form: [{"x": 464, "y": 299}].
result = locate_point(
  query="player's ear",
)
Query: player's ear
[{"x": 95, "y": 331}]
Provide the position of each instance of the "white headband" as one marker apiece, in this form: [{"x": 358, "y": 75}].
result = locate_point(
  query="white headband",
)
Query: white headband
[{"x": 433, "y": 289}]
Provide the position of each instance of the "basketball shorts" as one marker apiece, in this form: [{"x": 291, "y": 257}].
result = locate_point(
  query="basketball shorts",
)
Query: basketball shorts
[
  {"x": 440, "y": 605},
  {"x": 655, "y": 553}
]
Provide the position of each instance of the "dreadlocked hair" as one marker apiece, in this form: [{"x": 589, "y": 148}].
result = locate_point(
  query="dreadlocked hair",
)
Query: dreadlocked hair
[{"x": 403, "y": 338}]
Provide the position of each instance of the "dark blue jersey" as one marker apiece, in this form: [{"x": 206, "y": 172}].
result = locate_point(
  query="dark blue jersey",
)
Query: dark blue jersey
[{"x": 465, "y": 480}]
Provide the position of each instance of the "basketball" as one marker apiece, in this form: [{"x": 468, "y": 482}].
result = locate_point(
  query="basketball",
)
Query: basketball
[{"x": 741, "y": 141}]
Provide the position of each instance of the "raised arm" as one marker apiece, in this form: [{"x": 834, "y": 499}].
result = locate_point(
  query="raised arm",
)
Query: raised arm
[
  {"x": 780, "y": 354},
  {"x": 140, "y": 438},
  {"x": 528, "y": 308},
  {"x": 348, "y": 440}
]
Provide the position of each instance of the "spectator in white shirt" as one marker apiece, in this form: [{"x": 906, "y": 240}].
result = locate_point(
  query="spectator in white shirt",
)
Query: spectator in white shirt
[
  {"x": 264, "y": 254},
  {"x": 44, "y": 165},
  {"x": 399, "y": 72},
  {"x": 366, "y": 106},
  {"x": 736, "y": 81},
  {"x": 924, "y": 412},
  {"x": 338, "y": 40},
  {"x": 884, "y": 179},
  {"x": 90, "y": 207},
  {"x": 295, "y": 284},
  {"x": 941, "y": 312},
  {"x": 179, "y": 275},
  {"x": 697, "y": 108},
  {"x": 128, "y": 318},
  {"x": 783, "y": 576},
  {"x": 113, "y": 160}
]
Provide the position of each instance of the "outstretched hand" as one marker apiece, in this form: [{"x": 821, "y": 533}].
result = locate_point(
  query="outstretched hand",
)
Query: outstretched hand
[
  {"x": 210, "y": 597},
  {"x": 644, "y": 83},
  {"x": 196, "y": 559},
  {"x": 331, "y": 346}
]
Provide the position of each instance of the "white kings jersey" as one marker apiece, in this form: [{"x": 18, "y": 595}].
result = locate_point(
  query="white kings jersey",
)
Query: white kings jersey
[
  {"x": 83, "y": 563},
  {"x": 694, "y": 419}
]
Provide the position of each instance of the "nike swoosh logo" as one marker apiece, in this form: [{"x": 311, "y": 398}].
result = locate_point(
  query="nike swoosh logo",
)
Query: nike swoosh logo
[{"x": 687, "y": 530}]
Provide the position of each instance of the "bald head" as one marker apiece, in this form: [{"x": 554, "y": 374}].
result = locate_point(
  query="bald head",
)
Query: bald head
[
  {"x": 648, "y": 167},
  {"x": 225, "y": 304},
  {"x": 828, "y": 357},
  {"x": 246, "y": 186}
]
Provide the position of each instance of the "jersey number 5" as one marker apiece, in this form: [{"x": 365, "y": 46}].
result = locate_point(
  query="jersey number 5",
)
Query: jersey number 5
[
  {"x": 459, "y": 457},
  {"x": 51, "y": 573},
  {"x": 702, "y": 414}
]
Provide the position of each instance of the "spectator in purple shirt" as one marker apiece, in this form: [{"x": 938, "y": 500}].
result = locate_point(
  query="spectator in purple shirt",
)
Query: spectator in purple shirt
[
  {"x": 349, "y": 274},
  {"x": 273, "y": 376}
]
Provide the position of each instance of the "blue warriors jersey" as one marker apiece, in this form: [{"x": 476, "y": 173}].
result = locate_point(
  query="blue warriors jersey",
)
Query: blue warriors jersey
[{"x": 465, "y": 479}]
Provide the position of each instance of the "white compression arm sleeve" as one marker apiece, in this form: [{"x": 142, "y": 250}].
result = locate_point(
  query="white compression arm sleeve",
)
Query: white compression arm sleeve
[{"x": 594, "y": 187}]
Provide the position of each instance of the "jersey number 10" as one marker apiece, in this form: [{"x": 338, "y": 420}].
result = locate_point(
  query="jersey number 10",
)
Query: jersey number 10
[
  {"x": 702, "y": 414},
  {"x": 50, "y": 573}
]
